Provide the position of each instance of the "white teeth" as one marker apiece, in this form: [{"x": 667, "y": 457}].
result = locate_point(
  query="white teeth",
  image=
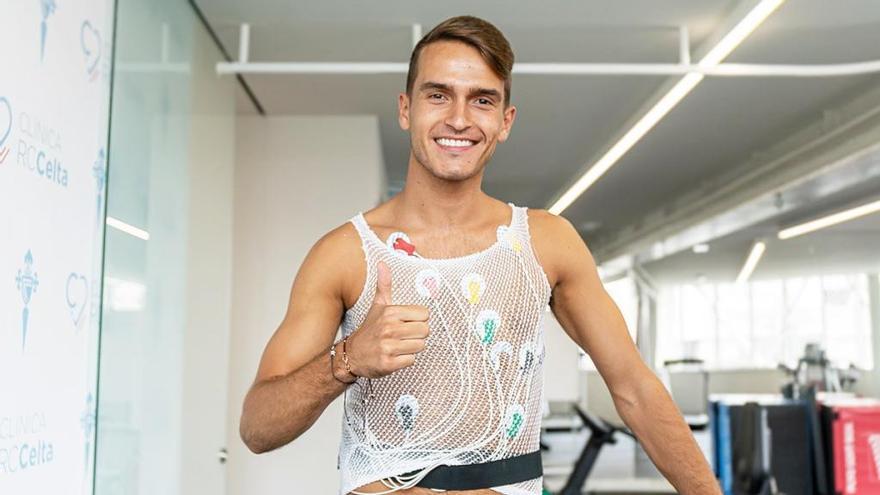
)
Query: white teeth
[{"x": 454, "y": 142}]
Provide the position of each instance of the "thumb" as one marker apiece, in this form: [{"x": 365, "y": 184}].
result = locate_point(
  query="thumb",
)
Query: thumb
[{"x": 383, "y": 284}]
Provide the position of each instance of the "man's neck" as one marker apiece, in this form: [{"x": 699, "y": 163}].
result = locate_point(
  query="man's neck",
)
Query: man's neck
[{"x": 432, "y": 203}]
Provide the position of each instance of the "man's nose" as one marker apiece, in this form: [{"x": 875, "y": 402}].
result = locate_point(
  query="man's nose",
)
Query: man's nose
[{"x": 459, "y": 116}]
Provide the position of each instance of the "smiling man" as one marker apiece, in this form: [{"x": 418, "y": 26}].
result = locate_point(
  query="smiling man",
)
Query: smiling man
[{"x": 440, "y": 292}]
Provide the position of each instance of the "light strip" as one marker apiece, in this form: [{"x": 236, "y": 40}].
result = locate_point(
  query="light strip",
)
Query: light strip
[
  {"x": 740, "y": 32},
  {"x": 721, "y": 50},
  {"x": 128, "y": 229},
  {"x": 821, "y": 223},
  {"x": 751, "y": 262}
]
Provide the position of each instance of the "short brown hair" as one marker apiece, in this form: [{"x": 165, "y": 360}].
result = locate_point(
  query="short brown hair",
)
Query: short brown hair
[{"x": 475, "y": 32}]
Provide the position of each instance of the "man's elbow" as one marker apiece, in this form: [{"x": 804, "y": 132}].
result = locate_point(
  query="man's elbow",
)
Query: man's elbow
[
  {"x": 255, "y": 439},
  {"x": 625, "y": 401},
  {"x": 260, "y": 442},
  {"x": 250, "y": 438},
  {"x": 632, "y": 395}
]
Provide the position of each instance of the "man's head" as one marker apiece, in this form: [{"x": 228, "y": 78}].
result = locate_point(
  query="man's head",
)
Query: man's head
[{"x": 457, "y": 100}]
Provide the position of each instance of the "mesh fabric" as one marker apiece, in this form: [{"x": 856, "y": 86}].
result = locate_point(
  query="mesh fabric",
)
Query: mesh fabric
[{"x": 474, "y": 394}]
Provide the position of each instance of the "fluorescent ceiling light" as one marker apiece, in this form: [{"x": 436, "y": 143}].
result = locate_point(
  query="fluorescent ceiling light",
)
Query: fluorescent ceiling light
[
  {"x": 741, "y": 31},
  {"x": 684, "y": 86},
  {"x": 701, "y": 248},
  {"x": 751, "y": 262},
  {"x": 632, "y": 136},
  {"x": 128, "y": 229},
  {"x": 124, "y": 295},
  {"x": 827, "y": 221}
]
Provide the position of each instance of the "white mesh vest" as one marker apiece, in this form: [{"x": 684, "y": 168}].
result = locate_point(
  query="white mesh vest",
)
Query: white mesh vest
[{"x": 474, "y": 394}]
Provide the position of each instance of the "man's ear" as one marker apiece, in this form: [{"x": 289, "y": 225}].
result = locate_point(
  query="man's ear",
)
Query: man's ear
[
  {"x": 509, "y": 117},
  {"x": 403, "y": 111}
]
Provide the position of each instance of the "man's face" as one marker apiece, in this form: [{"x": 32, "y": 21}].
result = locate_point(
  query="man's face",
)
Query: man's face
[{"x": 456, "y": 112}]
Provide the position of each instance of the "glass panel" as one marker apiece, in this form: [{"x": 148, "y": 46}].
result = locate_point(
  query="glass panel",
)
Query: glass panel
[
  {"x": 623, "y": 292},
  {"x": 846, "y": 316},
  {"x": 734, "y": 325},
  {"x": 166, "y": 99},
  {"x": 802, "y": 321}
]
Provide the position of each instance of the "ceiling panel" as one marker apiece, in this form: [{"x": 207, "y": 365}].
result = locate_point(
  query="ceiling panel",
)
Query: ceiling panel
[{"x": 564, "y": 121}]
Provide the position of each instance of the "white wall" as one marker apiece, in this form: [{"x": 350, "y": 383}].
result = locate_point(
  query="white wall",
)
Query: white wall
[
  {"x": 561, "y": 372},
  {"x": 209, "y": 269},
  {"x": 295, "y": 179}
]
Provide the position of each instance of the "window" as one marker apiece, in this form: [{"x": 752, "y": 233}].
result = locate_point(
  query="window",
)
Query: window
[
  {"x": 767, "y": 322},
  {"x": 624, "y": 294}
]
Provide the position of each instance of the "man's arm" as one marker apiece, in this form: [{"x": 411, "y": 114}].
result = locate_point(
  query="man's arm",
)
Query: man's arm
[
  {"x": 294, "y": 382},
  {"x": 590, "y": 317},
  {"x": 296, "y": 379}
]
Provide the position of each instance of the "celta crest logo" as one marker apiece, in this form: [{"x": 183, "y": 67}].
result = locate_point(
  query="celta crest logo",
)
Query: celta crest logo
[
  {"x": 90, "y": 42},
  {"x": 47, "y": 8},
  {"x": 5, "y": 127},
  {"x": 26, "y": 281}
]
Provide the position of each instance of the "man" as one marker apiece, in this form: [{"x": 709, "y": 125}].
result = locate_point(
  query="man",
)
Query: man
[{"x": 440, "y": 292}]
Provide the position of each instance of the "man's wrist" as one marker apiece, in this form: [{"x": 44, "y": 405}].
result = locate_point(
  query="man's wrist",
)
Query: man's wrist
[{"x": 339, "y": 365}]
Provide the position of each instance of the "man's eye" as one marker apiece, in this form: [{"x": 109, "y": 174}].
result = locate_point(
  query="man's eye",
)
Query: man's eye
[
  {"x": 484, "y": 101},
  {"x": 435, "y": 96}
]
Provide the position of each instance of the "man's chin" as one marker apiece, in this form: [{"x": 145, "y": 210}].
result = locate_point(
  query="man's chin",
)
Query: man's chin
[
  {"x": 453, "y": 174},
  {"x": 450, "y": 170}
]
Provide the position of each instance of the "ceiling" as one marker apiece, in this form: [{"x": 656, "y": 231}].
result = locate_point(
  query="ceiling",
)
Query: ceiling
[
  {"x": 564, "y": 121},
  {"x": 850, "y": 247}
]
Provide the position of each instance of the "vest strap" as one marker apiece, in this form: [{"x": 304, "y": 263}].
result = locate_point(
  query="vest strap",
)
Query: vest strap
[{"x": 486, "y": 474}]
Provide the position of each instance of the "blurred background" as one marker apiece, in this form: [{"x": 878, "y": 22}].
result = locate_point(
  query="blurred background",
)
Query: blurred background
[{"x": 223, "y": 172}]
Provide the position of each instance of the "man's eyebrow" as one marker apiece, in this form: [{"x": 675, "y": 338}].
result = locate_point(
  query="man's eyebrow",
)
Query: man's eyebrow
[
  {"x": 484, "y": 92},
  {"x": 427, "y": 86},
  {"x": 431, "y": 85}
]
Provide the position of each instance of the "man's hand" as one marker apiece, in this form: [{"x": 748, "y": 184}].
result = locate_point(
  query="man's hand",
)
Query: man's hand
[{"x": 390, "y": 336}]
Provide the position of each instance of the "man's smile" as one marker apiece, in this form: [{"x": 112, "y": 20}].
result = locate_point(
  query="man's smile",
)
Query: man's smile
[{"x": 455, "y": 144}]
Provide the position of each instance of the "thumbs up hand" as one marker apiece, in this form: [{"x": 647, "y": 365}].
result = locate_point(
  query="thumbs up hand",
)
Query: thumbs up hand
[{"x": 390, "y": 336}]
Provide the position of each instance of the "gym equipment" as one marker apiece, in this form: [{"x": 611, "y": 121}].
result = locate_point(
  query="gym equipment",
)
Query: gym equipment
[
  {"x": 814, "y": 371},
  {"x": 601, "y": 434},
  {"x": 752, "y": 448},
  {"x": 767, "y": 444},
  {"x": 688, "y": 383},
  {"x": 851, "y": 429}
]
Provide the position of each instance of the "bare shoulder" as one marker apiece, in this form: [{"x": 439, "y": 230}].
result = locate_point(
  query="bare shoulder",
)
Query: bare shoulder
[
  {"x": 544, "y": 222},
  {"x": 557, "y": 244},
  {"x": 342, "y": 240},
  {"x": 338, "y": 255}
]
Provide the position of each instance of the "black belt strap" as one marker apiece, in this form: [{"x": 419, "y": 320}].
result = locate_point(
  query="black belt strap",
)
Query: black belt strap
[{"x": 485, "y": 475}]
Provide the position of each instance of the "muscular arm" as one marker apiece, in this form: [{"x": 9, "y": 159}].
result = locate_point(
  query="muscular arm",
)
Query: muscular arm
[
  {"x": 295, "y": 383},
  {"x": 593, "y": 321},
  {"x": 296, "y": 379}
]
